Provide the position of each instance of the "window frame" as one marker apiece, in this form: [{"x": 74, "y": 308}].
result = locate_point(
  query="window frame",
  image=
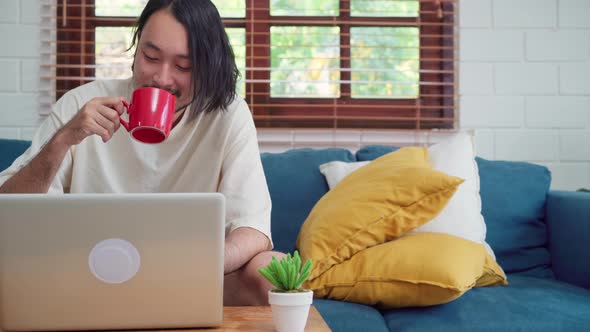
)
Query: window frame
[{"x": 433, "y": 108}]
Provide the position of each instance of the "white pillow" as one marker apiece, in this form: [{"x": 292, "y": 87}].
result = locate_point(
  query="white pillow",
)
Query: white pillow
[{"x": 462, "y": 215}]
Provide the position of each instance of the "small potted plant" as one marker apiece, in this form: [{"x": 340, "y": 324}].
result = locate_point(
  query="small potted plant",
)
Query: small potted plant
[{"x": 289, "y": 302}]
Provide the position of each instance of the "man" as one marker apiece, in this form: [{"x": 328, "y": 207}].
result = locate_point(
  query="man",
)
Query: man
[{"x": 182, "y": 47}]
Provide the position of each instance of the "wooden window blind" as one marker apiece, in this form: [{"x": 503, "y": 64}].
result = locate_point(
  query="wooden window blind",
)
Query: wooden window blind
[{"x": 304, "y": 63}]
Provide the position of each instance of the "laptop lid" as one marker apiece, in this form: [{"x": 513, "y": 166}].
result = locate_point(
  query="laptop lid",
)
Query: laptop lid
[{"x": 111, "y": 261}]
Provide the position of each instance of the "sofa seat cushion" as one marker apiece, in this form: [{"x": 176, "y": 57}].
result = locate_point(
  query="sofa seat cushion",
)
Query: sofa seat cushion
[
  {"x": 526, "y": 304},
  {"x": 296, "y": 184},
  {"x": 513, "y": 204},
  {"x": 346, "y": 316}
]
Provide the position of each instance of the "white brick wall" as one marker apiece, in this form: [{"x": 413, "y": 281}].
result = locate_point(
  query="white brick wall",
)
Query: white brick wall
[
  {"x": 530, "y": 102},
  {"x": 563, "y": 45},
  {"x": 524, "y": 75},
  {"x": 524, "y": 13},
  {"x": 19, "y": 65},
  {"x": 521, "y": 79},
  {"x": 574, "y": 13},
  {"x": 574, "y": 78},
  {"x": 492, "y": 111}
]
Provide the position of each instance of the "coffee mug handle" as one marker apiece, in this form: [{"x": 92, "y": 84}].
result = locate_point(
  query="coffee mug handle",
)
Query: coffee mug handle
[{"x": 123, "y": 122}]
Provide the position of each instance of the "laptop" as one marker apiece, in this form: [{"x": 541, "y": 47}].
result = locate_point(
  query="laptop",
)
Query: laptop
[{"x": 111, "y": 261}]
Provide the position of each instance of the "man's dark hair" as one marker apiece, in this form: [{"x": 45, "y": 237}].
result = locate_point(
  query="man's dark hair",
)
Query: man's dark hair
[{"x": 214, "y": 71}]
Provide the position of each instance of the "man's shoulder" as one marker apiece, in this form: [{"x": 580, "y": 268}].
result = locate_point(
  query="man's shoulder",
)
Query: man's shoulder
[
  {"x": 237, "y": 104},
  {"x": 237, "y": 109}
]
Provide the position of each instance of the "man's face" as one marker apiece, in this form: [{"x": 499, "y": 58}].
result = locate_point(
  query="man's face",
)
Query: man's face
[{"x": 162, "y": 58}]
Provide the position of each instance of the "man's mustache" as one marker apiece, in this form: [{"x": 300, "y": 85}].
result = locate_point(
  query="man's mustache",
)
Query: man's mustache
[{"x": 175, "y": 93}]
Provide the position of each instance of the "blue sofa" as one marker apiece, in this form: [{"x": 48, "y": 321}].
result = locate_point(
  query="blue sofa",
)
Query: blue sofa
[{"x": 539, "y": 236}]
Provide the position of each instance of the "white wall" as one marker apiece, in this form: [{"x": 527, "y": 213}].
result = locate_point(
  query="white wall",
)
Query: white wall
[
  {"x": 524, "y": 82},
  {"x": 19, "y": 68}
]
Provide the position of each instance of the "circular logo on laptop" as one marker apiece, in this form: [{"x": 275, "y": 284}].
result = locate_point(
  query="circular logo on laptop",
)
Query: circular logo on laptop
[{"x": 114, "y": 261}]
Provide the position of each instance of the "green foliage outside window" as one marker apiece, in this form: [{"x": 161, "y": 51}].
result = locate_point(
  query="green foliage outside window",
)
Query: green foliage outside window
[
  {"x": 304, "y": 7},
  {"x": 305, "y": 62},
  {"x": 384, "y": 8}
]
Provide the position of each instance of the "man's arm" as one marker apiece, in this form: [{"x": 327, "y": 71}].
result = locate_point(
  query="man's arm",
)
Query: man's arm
[
  {"x": 241, "y": 245},
  {"x": 100, "y": 116}
]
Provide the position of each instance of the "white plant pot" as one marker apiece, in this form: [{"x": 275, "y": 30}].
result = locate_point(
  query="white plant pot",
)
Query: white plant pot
[{"x": 290, "y": 310}]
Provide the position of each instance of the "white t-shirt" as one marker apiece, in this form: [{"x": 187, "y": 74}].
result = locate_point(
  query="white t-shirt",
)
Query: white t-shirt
[{"x": 215, "y": 152}]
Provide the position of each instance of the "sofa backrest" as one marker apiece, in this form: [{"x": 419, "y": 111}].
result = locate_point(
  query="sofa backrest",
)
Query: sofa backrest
[
  {"x": 10, "y": 149},
  {"x": 513, "y": 196}
]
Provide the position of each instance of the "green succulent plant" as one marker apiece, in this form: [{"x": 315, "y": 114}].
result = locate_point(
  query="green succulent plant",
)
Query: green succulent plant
[{"x": 287, "y": 275}]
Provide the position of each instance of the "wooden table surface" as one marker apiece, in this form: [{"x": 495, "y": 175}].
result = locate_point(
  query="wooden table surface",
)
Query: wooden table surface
[
  {"x": 260, "y": 319},
  {"x": 257, "y": 319}
]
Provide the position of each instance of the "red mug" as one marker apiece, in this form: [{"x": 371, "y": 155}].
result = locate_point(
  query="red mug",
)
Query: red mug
[{"x": 150, "y": 115}]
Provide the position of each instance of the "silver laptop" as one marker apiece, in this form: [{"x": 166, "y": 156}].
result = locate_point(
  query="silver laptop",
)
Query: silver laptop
[{"x": 111, "y": 261}]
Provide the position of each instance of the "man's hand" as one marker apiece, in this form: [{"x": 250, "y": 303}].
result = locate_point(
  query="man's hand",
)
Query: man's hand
[{"x": 100, "y": 116}]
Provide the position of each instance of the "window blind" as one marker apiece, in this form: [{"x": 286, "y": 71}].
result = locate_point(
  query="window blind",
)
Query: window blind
[{"x": 303, "y": 63}]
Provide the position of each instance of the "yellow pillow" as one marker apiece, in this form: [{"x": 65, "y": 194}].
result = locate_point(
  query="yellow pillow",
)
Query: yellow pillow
[
  {"x": 420, "y": 269},
  {"x": 375, "y": 204},
  {"x": 493, "y": 275}
]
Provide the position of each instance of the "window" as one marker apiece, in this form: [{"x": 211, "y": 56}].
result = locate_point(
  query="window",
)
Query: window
[{"x": 304, "y": 63}]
